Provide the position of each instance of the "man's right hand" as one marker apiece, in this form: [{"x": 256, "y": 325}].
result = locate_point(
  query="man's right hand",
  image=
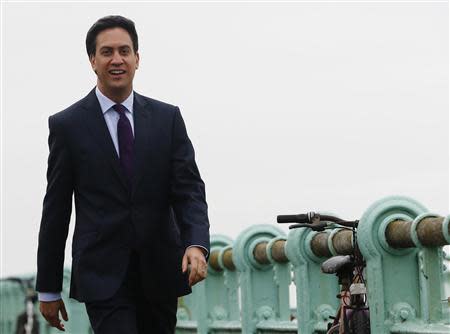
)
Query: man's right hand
[{"x": 50, "y": 311}]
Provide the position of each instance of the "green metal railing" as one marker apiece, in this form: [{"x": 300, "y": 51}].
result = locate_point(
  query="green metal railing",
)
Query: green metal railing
[{"x": 247, "y": 289}]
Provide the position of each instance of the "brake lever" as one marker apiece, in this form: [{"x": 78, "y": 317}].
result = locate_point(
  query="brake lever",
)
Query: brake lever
[
  {"x": 315, "y": 226},
  {"x": 298, "y": 226}
]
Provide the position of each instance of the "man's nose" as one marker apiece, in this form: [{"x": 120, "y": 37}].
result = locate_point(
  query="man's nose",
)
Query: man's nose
[{"x": 117, "y": 58}]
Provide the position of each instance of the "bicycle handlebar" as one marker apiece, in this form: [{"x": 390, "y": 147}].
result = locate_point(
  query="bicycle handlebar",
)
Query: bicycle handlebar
[
  {"x": 287, "y": 219},
  {"x": 313, "y": 221}
]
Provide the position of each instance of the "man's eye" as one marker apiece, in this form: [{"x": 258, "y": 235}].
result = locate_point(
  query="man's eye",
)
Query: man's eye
[
  {"x": 106, "y": 52},
  {"x": 125, "y": 52}
]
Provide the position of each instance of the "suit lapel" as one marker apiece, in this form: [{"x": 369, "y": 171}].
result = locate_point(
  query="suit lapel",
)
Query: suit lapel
[
  {"x": 99, "y": 131},
  {"x": 142, "y": 118}
]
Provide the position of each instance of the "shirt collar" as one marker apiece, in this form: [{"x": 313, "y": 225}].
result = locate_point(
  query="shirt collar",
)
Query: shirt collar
[{"x": 106, "y": 103}]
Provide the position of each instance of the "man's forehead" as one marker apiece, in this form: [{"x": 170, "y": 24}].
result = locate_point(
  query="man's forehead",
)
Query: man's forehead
[{"x": 114, "y": 37}]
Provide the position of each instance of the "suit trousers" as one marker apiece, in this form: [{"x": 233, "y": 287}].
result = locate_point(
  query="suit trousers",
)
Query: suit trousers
[{"x": 128, "y": 311}]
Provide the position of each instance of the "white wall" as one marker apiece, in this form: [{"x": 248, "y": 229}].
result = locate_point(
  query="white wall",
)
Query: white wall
[{"x": 291, "y": 107}]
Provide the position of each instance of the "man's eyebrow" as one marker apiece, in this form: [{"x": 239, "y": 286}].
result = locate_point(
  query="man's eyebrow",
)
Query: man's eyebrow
[{"x": 119, "y": 47}]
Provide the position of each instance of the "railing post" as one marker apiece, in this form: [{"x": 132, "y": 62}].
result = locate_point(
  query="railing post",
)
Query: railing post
[
  {"x": 260, "y": 294},
  {"x": 231, "y": 282},
  {"x": 9, "y": 306},
  {"x": 222, "y": 262},
  {"x": 221, "y": 303},
  {"x": 446, "y": 281},
  {"x": 316, "y": 292},
  {"x": 276, "y": 254},
  {"x": 4, "y": 292},
  {"x": 16, "y": 304},
  {"x": 404, "y": 277}
]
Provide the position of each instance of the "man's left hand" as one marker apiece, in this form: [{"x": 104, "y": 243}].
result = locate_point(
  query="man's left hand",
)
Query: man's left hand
[{"x": 195, "y": 257}]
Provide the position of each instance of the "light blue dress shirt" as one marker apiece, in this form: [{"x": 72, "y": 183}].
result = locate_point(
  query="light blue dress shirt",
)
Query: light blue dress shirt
[{"x": 111, "y": 118}]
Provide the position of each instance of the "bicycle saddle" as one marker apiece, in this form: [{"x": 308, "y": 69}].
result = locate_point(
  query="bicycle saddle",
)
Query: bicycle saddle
[{"x": 334, "y": 264}]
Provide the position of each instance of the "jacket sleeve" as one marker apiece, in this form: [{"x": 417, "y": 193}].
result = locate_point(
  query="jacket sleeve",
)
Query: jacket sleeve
[
  {"x": 57, "y": 208},
  {"x": 187, "y": 189}
]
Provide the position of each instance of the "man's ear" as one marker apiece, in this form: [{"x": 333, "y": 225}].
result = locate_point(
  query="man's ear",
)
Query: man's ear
[
  {"x": 137, "y": 60},
  {"x": 93, "y": 65}
]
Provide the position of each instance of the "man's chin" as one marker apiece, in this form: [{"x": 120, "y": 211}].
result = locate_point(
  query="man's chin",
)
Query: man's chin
[
  {"x": 116, "y": 92},
  {"x": 118, "y": 87}
]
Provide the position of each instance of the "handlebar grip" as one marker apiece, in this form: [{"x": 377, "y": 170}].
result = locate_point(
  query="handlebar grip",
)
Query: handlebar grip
[{"x": 286, "y": 219}]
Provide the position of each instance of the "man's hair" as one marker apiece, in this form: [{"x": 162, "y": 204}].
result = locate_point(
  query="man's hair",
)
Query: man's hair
[{"x": 109, "y": 22}]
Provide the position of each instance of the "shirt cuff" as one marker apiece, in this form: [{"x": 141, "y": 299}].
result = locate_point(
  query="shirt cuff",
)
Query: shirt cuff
[
  {"x": 205, "y": 251},
  {"x": 49, "y": 296}
]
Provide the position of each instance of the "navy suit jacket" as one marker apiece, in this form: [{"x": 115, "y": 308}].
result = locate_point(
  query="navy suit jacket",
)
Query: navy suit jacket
[{"x": 158, "y": 215}]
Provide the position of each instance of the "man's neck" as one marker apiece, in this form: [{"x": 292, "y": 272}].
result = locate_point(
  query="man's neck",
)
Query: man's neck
[{"x": 117, "y": 96}]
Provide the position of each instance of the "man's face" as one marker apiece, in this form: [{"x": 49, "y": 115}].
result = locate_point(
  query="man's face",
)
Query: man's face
[{"x": 114, "y": 62}]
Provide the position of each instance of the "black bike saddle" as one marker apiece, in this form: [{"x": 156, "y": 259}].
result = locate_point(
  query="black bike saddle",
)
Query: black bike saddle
[{"x": 334, "y": 264}]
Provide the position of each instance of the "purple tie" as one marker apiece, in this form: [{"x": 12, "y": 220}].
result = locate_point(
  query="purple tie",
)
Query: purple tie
[{"x": 125, "y": 137}]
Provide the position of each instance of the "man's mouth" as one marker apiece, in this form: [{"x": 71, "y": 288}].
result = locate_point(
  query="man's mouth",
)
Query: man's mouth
[{"x": 116, "y": 72}]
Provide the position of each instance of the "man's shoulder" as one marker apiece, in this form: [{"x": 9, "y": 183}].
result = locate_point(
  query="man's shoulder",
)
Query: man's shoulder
[
  {"x": 155, "y": 104},
  {"x": 73, "y": 110}
]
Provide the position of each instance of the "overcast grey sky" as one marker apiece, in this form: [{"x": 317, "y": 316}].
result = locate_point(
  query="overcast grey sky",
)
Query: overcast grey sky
[{"x": 291, "y": 107}]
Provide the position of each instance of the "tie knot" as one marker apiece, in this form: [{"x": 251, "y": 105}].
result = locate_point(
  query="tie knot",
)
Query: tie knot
[{"x": 119, "y": 108}]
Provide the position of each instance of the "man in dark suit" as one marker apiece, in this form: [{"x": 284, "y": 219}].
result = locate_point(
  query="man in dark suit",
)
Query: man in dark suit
[{"x": 141, "y": 213}]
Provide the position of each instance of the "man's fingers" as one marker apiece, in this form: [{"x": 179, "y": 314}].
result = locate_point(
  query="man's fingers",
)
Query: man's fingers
[
  {"x": 184, "y": 264},
  {"x": 57, "y": 324},
  {"x": 197, "y": 279},
  {"x": 200, "y": 272},
  {"x": 63, "y": 311},
  {"x": 202, "y": 269},
  {"x": 194, "y": 270}
]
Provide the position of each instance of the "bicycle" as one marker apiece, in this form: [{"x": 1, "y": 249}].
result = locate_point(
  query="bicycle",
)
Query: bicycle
[
  {"x": 27, "y": 322},
  {"x": 352, "y": 316}
]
